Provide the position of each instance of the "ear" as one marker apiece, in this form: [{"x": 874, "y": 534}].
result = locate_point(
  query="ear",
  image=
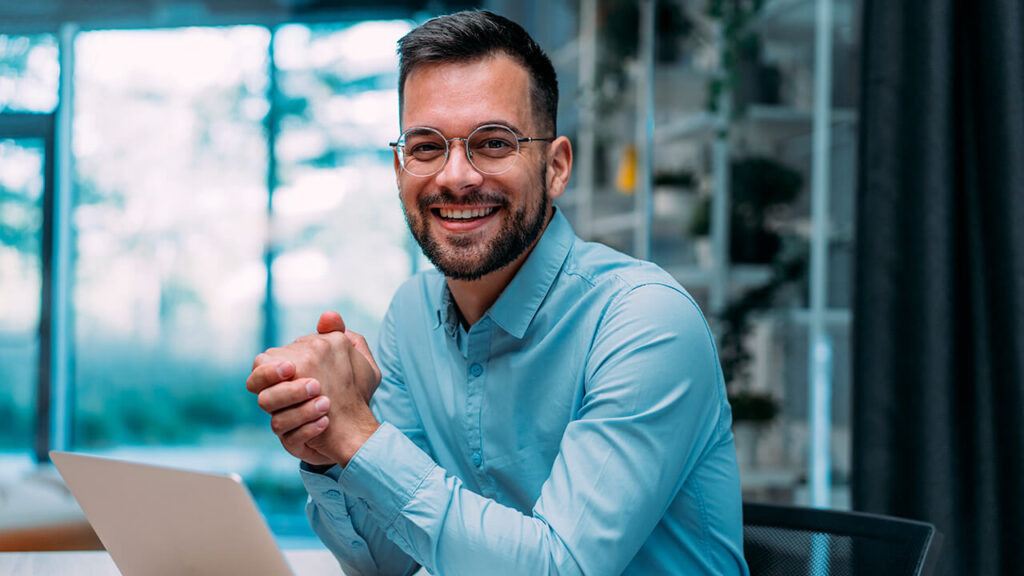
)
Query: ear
[{"x": 559, "y": 161}]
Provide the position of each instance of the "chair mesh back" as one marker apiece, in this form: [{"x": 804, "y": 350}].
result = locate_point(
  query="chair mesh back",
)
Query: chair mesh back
[{"x": 778, "y": 551}]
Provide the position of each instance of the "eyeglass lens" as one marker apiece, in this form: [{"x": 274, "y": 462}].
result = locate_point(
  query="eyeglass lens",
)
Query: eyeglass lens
[{"x": 490, "y": 149}]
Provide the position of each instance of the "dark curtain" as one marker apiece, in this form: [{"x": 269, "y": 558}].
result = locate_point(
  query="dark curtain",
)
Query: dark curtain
[{"x": 938, "y": 334}]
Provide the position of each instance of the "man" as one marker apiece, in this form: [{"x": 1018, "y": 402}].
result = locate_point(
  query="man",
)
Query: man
[{"x": 546, "y": 405}]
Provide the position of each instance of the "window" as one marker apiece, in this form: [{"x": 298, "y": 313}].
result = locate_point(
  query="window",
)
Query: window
[
  {"x": 179, "y": 209},
  {"x": 28, "y": 73},
  {"x": 28, "y": 95},
  {"x": 340, "y": 237},
  {"x": 21, "y": 227},
  {"x": 169, "y": 219}
]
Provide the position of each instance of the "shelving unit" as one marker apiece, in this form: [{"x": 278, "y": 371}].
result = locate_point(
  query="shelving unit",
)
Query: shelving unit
[{"x": 657, "y": 124}]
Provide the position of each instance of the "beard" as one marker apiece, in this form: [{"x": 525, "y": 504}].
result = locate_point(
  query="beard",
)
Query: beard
[{"x": 464, "y": 258}]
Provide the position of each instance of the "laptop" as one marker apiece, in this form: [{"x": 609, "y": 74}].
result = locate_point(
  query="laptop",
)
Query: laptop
[{"x": 157, "y": 521}]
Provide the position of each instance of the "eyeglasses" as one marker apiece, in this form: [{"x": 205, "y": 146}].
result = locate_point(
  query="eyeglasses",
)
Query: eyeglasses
[{"x": 491, "y": 149}]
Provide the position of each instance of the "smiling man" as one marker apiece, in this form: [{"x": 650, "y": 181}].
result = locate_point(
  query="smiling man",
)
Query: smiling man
[{"x": 545, "y": 405}]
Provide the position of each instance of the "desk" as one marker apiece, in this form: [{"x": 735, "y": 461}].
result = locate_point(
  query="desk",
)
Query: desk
[
  {"x": 38, "y": 513},
  {"x": 303, "y": 563}
]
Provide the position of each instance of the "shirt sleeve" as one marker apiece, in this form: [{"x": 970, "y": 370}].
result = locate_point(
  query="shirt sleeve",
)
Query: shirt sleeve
[
  {"x": 652, "y": 402},
  {"x": 343, "y": 521}
]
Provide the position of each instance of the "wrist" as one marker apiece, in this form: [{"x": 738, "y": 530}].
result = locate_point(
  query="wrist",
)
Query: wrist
[
  {"x": 355, "y": 440},
  {"x": 341, "y": 441}
]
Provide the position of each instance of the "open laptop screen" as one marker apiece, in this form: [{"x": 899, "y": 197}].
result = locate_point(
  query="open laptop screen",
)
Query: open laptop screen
[{"x": 158, "y": 521}]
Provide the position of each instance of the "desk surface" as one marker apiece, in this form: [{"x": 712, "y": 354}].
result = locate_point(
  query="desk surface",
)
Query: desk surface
[{"x": 302, "y": 562}]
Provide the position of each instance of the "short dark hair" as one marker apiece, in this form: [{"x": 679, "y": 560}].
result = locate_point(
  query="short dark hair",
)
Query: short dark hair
[{"x": 475, "y": 34}]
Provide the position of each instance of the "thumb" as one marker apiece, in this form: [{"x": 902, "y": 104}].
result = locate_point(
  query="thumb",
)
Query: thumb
[{"x": 330, "y": 322}]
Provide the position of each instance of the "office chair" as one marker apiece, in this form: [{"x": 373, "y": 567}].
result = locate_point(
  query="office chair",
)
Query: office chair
[{"x": 795, "y": 541}]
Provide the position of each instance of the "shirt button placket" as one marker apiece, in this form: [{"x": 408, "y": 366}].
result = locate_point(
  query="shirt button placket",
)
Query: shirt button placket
[
  {"x": 476, "y": 370},
  {"x": 479, "y": 346}
]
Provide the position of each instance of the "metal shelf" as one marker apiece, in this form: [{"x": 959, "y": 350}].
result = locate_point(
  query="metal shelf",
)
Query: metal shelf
[{"x": 704, "y": 140}]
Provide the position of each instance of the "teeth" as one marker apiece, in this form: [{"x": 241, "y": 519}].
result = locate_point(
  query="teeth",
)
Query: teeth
[{"x": 466, "y": 214}]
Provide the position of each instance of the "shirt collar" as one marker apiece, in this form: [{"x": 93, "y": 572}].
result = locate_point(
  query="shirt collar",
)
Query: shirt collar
[{"x": 518, "y": 303}]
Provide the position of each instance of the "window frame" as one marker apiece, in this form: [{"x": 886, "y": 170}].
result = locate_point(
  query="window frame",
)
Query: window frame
[{"x": 41, "y": 126}]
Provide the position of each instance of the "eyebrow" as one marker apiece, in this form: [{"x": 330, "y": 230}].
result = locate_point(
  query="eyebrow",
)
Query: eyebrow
[{"x": 510, "y": 125}]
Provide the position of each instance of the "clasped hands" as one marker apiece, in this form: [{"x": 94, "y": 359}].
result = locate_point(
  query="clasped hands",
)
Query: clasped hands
[{"x": 317, "y": 390}]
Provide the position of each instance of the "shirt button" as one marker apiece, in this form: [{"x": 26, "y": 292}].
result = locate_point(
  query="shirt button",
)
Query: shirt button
[
  {"x": 476, "y": 369},
  {"x": 357, "y": 544},
  {"x": 333, "y": 494},
  {"x": 477, "y": 459}
]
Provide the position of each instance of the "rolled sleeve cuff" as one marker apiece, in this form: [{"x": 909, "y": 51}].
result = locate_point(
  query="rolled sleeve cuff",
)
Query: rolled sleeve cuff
[
  {"x": 329, "y": 516},
  {"x": 333, "y": 472},
  {"x": 324, "y": 490},
  {"x": 386, "y": 472}
]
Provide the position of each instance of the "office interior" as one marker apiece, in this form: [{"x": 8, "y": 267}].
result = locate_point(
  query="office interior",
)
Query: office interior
[{"x": 184, "y": 183}]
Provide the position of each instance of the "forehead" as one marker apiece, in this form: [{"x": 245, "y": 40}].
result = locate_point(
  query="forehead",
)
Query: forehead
[{"x": 457, "y": 97}]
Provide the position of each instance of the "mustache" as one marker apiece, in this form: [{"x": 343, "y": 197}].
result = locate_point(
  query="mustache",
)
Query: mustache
[{"x": 475, "y": 197}]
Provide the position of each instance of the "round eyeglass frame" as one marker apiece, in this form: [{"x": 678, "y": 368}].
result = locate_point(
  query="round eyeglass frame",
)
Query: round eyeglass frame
[{"x": 400, "y": 143}]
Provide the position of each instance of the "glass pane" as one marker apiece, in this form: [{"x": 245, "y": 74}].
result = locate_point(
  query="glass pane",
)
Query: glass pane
[
  {"x": 342, "y": 240},
  {"x": 21, "y": 227},
  {"x": 170, "y": 219},
  {"x": 29, "y": 73}
]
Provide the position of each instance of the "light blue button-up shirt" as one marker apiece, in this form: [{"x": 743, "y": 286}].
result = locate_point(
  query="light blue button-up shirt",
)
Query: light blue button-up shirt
[{"x": 579, "y": 427}]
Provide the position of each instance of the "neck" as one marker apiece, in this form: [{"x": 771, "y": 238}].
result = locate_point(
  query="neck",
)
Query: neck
[{"x": 475, "y": 297}]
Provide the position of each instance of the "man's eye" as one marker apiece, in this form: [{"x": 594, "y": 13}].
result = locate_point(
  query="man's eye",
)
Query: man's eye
[
  {"x": 494, "y": 145},
  {"x": 426, "y": 148}
]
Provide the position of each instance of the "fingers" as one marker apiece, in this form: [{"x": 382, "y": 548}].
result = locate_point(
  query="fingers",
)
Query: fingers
[
  {"x": 330, "y": 322},
  {"x": 268, "y": 356},
  {"x": 287, "y": 394},
  {"x": 316, "y": 355},
  {"x": 297, "y": 438},
  {"x": 268, "y": 371},
  {"x": 300, "y": 358},
  {"x": 288, "y": 421},
  {"x": 295, "y": 442}
]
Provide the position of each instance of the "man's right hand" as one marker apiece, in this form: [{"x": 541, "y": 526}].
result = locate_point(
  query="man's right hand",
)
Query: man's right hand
[
  {"x": 297, "y": 408},
  {"x": 290, "y": 387}
]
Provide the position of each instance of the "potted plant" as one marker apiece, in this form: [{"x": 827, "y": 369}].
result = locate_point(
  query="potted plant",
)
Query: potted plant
[
  {"x": 754, "y": 410},
  {"x": 759, "y": 186}
]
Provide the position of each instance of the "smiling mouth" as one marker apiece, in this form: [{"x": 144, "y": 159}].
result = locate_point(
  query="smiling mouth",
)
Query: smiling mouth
[{"x": 463, "y": 214}]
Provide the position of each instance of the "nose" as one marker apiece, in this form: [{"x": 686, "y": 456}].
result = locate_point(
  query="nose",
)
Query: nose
[{"x": 458, "y": 174}]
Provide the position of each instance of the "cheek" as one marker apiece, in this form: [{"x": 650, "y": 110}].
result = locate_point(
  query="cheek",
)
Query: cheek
[{"x": 407, "y": 194}]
